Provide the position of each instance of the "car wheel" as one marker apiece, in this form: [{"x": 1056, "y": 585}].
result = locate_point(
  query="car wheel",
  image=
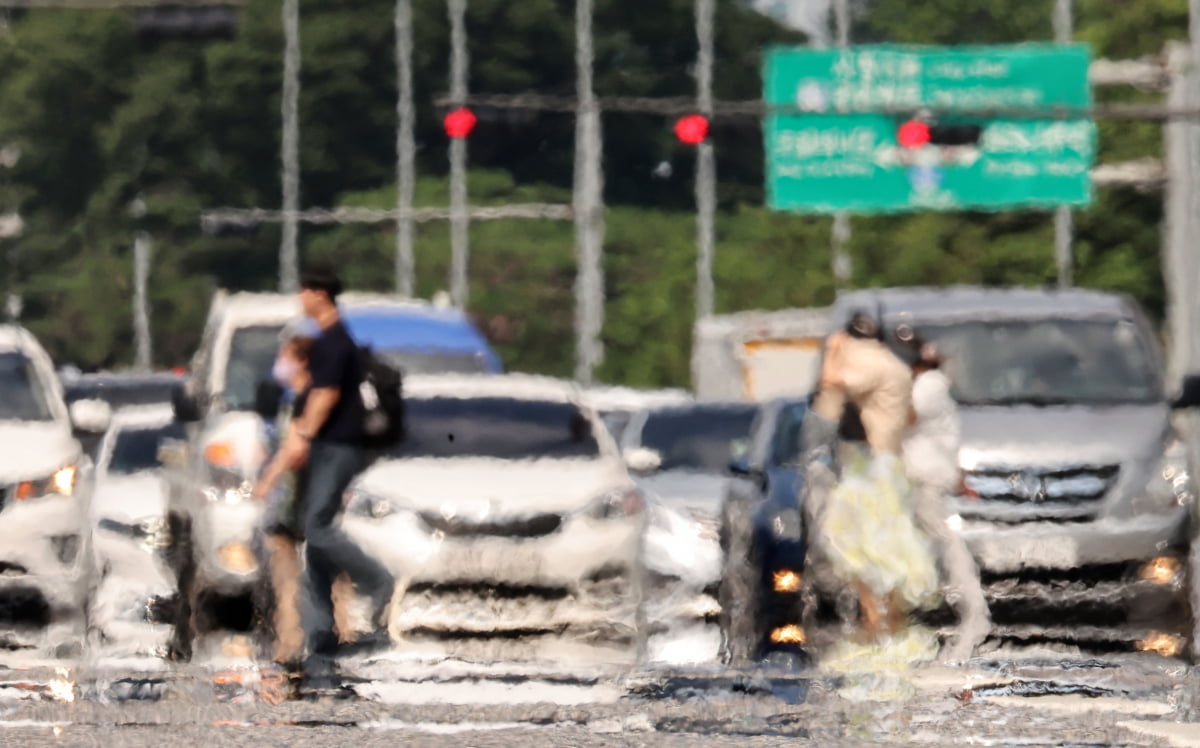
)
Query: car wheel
[{"x": 739, "y": 591}]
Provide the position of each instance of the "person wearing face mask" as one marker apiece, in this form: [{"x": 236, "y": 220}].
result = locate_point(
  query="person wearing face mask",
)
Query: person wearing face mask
[{"x": 281, "y": 526}]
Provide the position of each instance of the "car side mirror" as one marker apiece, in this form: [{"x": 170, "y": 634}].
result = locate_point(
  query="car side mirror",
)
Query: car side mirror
[
  {"x": 267, "y": 398},
  {"x": 184, "y": 405},
  {"x": 91, "y": 416},
  {"x": 1189, "y": 394},
  {"x": 643, "y": 460}
]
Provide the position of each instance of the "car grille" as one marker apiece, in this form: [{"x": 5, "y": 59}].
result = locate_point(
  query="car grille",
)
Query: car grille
[
  {"x": 4, "y": 492},
  {"x": 536, "y": 526},
  {"x": 1064, "y": 486}
]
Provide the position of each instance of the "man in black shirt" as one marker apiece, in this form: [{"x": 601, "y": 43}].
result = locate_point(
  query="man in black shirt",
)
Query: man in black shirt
[{"x": 331, "y": 428}]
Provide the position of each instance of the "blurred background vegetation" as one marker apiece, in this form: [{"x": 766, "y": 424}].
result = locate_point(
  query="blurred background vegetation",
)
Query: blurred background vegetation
[{"x": 102, "y": 115}]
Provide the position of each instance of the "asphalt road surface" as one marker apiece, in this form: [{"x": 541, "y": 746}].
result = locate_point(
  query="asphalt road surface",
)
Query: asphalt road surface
[{"x": 1009, "y": 698}]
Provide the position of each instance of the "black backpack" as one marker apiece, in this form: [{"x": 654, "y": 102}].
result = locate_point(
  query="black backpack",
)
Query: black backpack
[{"x": 383, "y": 402}]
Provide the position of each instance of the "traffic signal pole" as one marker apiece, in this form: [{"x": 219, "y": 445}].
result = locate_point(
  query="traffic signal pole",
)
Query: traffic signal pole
[
  {"x": 459, "y": 218},
  {"x": 289, "y": 260},
  {"x": 706, "y": 167}
]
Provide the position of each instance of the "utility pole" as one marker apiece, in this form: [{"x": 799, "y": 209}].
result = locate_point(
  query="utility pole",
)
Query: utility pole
[
  {"x": 289, "y": 262},
  {"x": 459, "y": 219},
  {"x": 706, "y": 167},
  {"x": 1063, "y": 221},
  {"x": 842, "y": 267},
  {"x": 405, "y": 151},
  {"x": 589, "y": 206},
  {"x": 141, "y": 306}
]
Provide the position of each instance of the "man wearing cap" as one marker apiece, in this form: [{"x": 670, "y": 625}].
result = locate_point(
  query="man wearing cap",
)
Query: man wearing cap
[{"x": 331, "y": 427}]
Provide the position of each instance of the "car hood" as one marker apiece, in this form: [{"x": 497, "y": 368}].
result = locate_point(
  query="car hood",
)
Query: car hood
[
  {"x": 35, "y": 450},
  {"x": 1062, "y": 436},
  {"x": 688, "y": 492},
  {"x": 493, "y": 488},
  {"x": 129, "y": 498}
]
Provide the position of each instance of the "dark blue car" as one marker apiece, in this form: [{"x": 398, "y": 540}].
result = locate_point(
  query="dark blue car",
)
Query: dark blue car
[{"x": 762, "y": 536}]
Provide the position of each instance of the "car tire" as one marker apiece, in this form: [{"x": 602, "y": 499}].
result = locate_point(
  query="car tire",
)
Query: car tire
[{"x": 739, "y": 593}]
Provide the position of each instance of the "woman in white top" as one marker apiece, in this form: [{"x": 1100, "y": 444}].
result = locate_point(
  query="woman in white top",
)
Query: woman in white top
[{"x": 930, "y": 453}]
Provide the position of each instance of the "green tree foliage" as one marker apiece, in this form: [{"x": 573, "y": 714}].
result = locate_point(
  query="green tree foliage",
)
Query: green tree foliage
[{"x": 103, "y": 116}]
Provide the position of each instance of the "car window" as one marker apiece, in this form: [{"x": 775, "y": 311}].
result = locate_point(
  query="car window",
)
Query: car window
[
  {"x": 251, "y": 355},
  {"x": 787, "y": 446},
  {"x": 23, "y": 395},
  {"x": 496, "y": 427},
  {"x": 1046, "y": 361},
  {"x": 136, "y": 449},
  {"x": 701, "y": 438}
]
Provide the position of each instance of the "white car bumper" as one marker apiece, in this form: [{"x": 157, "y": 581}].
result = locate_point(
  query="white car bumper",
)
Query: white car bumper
[{"x": 44, "y": 545}]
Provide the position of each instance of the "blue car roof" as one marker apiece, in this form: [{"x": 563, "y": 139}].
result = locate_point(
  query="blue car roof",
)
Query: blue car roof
[{"x": 415, "y": 329}]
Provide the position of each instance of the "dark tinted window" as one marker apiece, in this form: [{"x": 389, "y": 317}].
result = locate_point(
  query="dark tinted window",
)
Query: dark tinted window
[
  {"x": 1047, "y": 361},
  {"x": 787, "y": 447},
  {"x": 705, "y": 438},
  {"x": 251, "y": 356},
  {"x": 122, "y": 394},
  {"x": 22, "y": 397},
  {"x": 502, "y": 428},
  {"x": 137, "y": 449}
]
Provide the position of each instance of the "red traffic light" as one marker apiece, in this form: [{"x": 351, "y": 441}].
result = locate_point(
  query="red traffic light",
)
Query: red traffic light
[
  {"x": 459, "y": 123},
  {"x": 913, "y": 134},
  {"x": 692, "y": 129}
]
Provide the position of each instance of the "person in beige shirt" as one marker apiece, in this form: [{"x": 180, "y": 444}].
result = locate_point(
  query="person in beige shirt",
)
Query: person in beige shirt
[{"x": 860, "y": 369}]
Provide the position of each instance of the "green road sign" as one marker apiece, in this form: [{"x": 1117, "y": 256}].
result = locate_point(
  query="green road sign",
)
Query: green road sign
[{"x": 886, "y": 128}]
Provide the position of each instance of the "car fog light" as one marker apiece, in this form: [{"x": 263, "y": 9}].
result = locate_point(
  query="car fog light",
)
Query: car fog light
[
  {"x": 787, "y": 581},
  {"x": 1167, "y": 645},
  {"x": 1161, "y": 570},
  {"x": 237, "y": 557},
  {"x": 789, "y": 634}
]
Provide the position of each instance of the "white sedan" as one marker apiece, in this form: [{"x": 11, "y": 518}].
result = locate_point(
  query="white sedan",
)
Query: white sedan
[
  {"x": 506, "y": 511},
  {"x": 135, "y": 588}
]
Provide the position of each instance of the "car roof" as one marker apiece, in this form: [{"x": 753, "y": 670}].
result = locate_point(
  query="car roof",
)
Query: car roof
[
  {"x": 518, "y": 386},
  {"x": 954, "y": 302},
  {"x": 631, "y": 398}
]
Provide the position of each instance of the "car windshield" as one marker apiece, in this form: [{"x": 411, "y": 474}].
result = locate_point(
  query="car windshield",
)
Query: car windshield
[
  {"x": 436, "y": 362},
  {"x": 1046, "y": 362},
  {"x": 122, "y": 394},
  {"x": 136, "y": 449},
  {"x": 251, "y": 356},
  {"x": 703, "y": 439},
  {"x": 22, "y": 395},
  {"x": 496, "y": 427},
  {"x": 616, "y": 421}
]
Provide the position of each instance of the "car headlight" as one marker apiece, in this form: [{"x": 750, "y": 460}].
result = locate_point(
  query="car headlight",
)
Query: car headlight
[
  {"x": 785, "y": 524},
  {"x": 619, "y": 503},
  {"x": 364, "y": 504},
  {"x": 224, "y": 480},
  {"x": 1169, "y": 486},
  {"x": 61, "y": 483}
]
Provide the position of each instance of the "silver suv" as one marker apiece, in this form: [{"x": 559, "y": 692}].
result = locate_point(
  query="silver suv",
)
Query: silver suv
[{"x": 1076, "y": 498}]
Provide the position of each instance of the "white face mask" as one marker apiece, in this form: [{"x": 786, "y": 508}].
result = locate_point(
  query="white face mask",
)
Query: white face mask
[{"x": 285, "y": 371}]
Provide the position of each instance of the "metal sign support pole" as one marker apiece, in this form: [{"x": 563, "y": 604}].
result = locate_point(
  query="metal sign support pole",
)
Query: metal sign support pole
[
  {"x": 405, "y": 151},
  {"x": 1064, "y": 227},
  {"x": 289, "y": 273}
]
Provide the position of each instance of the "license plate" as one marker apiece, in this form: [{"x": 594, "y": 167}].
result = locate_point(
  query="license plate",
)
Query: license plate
[{"x": 501, "y": 563}]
